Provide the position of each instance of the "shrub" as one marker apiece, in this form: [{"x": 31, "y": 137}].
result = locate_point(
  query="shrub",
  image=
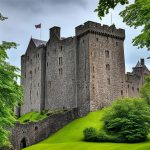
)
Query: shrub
[
  {"x": 102, "y": 136},
  {"x": 128, "y": 119},
  {"x": 90, "y": 134}
]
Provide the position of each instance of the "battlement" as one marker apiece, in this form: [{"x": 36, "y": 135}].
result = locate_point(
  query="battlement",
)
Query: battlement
[{"x": 97, "y": 28}]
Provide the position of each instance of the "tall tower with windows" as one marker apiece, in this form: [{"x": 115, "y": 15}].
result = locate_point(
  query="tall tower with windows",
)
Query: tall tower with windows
[{"x": 101, "y": 65}]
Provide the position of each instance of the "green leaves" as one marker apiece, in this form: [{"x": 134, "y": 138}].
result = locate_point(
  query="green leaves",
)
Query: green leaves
[
  {"x": 129, "y": 119},
  {"x": 135, "y": 15},
  {"x": 10, "y": 92},
  {"x": 105, "y": 5},
  {"x": 145, "y": 90}
]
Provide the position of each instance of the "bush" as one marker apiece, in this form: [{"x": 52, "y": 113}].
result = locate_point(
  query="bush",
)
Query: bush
[
  {"x": 90, "y": 134},
  {"x": 102, "y": 136},
  {"x": 128, "y": 119}
]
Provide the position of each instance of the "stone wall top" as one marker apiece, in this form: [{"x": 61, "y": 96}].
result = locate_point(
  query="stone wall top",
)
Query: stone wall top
[{"x": 97, "y": 28}]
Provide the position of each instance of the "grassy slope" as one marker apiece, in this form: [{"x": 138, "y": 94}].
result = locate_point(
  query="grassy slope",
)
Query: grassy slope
[{"x": 71, "y": 138}]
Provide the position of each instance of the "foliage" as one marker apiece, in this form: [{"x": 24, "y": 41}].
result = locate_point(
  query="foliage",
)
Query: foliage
[
  {"x": 90, "y": 134},
  {"x": 135, "y": 15},
  {"x": 129, "y": 119},
  {"x": 145, "y": 90},
  {"x": 2, "y": 17},
  {"x": 10, "y": 92}
]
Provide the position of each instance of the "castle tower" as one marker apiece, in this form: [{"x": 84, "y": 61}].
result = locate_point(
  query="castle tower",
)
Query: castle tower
[
  {"x": 100, "y": 65},
  {"x": 33, "y": 77},
  {"x": 135, "y": 79}
]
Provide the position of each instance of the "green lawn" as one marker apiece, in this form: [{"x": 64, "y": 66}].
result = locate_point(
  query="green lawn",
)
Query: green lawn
[{"x": 71, "y": 138}]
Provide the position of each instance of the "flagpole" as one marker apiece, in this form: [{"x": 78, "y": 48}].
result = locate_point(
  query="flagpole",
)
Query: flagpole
[
  {"x": 40, "y": 31},
  {"x": 111, "y": 18}
]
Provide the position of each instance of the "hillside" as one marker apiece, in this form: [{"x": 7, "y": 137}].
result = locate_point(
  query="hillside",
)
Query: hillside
[{"x": 71, "y": 137}]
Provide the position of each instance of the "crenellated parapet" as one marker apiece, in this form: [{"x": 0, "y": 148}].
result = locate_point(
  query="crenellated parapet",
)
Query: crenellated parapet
[{"x": 97, "y": 28}]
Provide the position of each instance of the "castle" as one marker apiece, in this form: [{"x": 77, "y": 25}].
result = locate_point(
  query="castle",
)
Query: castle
[{"x": 86, "y": 71}]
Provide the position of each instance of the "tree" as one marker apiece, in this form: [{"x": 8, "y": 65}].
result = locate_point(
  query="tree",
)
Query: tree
[
  {"x": 10, "y": 91},
  {"x": 145, "y": 90},
  {"x": 135, "y": 15}
]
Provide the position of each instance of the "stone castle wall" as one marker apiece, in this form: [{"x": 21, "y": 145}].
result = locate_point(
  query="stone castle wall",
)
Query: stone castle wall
[
  {"x": 34, "y": 132},
  {"x": 60, "y": 85},
  {"x": 33, "y": 72},
  {"x": 101, "y": 60},
  {"x": 74, "y": 72},
  {"x": 136, "y": 78}
]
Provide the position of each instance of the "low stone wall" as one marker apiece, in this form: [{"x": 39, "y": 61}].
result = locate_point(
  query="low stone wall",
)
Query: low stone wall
[{"x": 24, "y": 135}]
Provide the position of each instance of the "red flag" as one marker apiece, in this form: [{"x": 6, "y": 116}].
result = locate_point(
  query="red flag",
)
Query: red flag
[{"x": 38, "y": 26}]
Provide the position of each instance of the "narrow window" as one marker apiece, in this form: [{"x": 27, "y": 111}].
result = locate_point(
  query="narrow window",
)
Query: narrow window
[
  {"x": 31, "y": 61},
  {"x": 121, "y": 92},
  {"x": 47, "y": 64},
  {"x": 128, "y": 86},
  {"x": 132, "y": 88},
  {"x": 116, "y": 43},
  {"x": 30, "y": 73},
  {"x": 60, "y": 71},
  {"x": 38, "y": 84},
  {"x": 60, "y": 61},
  {"x": 107, "y": 54},
  {"x": 97, "y": 39},
  {"x": 108, "y": 81},
  {"x": 107, "y": 67},
  {"x": 37, "y": 93},
  {"x": 30, "y": 94},
  {"x": 93, "y": 87},
  {"x": 83, "y": 41},
  {"x": 35, "y": 70},
  {"x": 138, "y": 89},
  {"x": 61, "y": 48},
  {"x": 93, "y": 69}
]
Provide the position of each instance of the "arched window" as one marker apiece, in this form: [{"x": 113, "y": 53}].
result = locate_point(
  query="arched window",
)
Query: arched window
[
  {"x": 23, "y": 143},
  {"x": 36, "y": 128}
]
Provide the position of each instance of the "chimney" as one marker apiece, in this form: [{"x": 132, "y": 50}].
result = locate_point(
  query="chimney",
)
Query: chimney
[
  {"x": 54, "y": 33},
  {"x": 142, "y": 62}
]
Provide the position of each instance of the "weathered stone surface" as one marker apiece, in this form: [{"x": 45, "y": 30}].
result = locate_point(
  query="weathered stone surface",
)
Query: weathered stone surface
[
  {"x": 86, "y": 71},
  {"x": 24, "y": 135}
]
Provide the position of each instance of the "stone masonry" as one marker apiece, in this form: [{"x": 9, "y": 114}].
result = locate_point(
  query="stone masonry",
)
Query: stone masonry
[{"x": 86, "y": 71}]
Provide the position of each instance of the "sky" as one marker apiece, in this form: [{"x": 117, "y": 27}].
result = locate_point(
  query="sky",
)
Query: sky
[{"x": 24, "y": 14}]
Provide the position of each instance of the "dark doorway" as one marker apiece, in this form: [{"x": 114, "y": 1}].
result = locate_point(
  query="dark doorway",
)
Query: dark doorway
[{"x": 23, "y": 143}]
